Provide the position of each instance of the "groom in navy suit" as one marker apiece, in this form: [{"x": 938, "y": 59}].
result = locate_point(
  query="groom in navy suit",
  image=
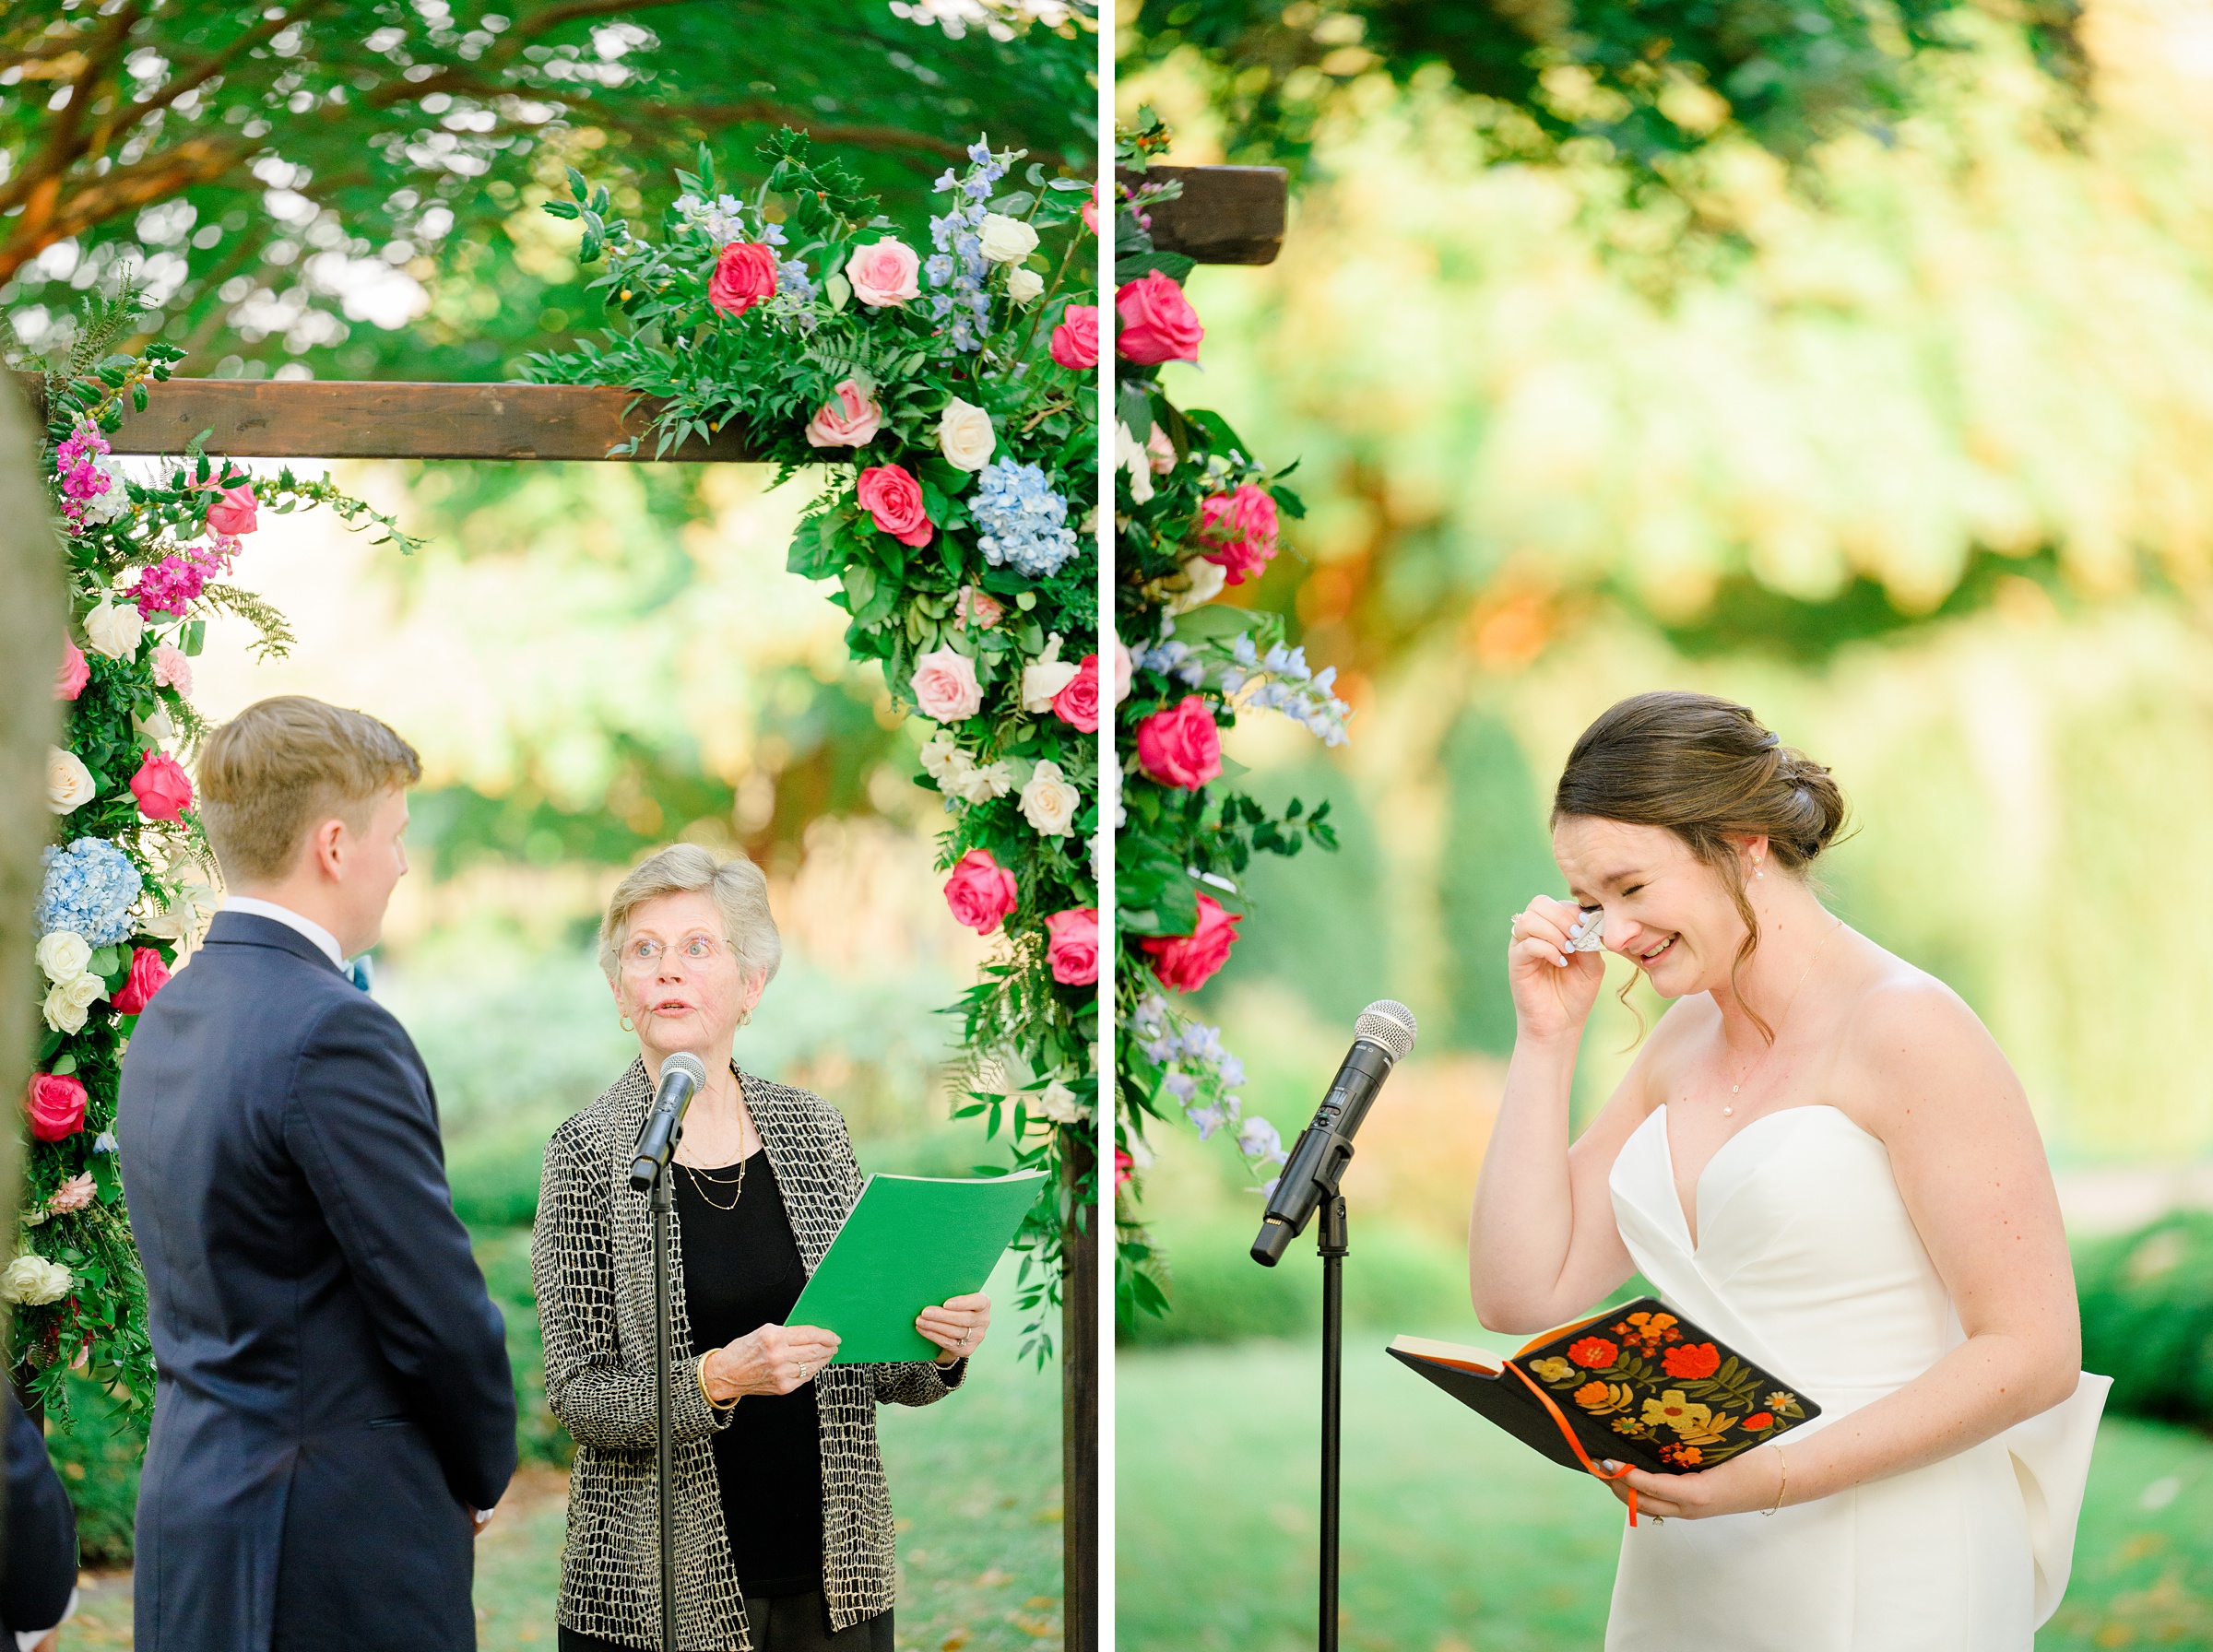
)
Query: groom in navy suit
[{"x": 335, "y": 1417}]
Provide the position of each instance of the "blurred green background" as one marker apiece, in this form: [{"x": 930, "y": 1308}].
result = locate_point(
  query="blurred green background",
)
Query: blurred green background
[{"x": 1904, "y": 437}]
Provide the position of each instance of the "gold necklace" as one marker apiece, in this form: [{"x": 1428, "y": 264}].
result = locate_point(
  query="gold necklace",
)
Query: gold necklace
[
  {"x": 701, "y": 1180},
  {"x": 1729, "y": 1109}
]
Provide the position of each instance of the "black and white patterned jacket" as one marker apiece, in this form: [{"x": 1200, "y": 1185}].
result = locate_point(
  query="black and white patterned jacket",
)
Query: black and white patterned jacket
[{"x": 591, "y": 1261}]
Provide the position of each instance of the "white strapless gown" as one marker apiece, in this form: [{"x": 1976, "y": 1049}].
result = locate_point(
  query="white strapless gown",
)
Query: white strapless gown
[{"x": 1807, "y": 1261}]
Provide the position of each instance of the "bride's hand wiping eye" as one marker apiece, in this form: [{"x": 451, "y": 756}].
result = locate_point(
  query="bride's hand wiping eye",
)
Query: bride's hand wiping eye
[{"x": 1553, "y": 985}]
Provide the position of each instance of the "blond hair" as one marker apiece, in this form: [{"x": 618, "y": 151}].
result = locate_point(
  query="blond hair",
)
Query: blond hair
[
  {"x": 741, "y": 896},
  {"x": 284, "y": 765}
]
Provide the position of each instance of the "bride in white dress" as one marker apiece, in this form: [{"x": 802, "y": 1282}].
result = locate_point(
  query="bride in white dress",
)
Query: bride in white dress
[{"x": 1821, "y": 1157}]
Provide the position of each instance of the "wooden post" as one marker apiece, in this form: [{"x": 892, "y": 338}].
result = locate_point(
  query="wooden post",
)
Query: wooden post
[
  {"x": 1225, "y": 215},
  {"x": 1080, "y": 1477}
]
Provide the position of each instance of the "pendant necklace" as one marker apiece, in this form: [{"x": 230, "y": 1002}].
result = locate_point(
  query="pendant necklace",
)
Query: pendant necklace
[{"x": 1729, "y": 1108}]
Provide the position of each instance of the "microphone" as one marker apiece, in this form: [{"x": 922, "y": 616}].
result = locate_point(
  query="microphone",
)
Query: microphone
[
  {"x": 1381, "y": 1037},
  {"x": 681, "y": 1076}
]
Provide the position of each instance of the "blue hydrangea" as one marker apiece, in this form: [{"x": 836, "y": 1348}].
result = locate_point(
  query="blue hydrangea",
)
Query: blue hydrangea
[
  {"x": 1024, "y": 523},
  {"x": 90, "y": 888}
]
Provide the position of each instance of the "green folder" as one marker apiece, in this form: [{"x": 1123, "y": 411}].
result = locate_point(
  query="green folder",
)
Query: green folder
[{"x": 910, "y": 1242}]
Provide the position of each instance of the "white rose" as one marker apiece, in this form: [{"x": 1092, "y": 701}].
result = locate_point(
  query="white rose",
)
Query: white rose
[
  {"x": 180, "y": 917},
  {"x": 65, "y": 955},
  {"x": 1130, "y": 456},
  {"x": 68, "y": 781},
  {"x": 68, "y": 1001},
  {"x": 1058, "y": 1104},
  {"x": 965, "y": 436},
  {"x": 1025, "y": 285},
  {"x": 979, "y": 782},
  {"x": 1006, "y": 239},
  {"x": 1206, "y": 579},
  {"x": 1050, "y": 803},
  {"x": 157, "y": 727},
  {"x": 32, "y": 1280},
  {"x": 115, "y": 630}
]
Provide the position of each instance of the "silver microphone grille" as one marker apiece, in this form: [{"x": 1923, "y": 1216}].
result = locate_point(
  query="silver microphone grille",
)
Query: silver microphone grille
[
  {"x": 1389, "y": 1024},
  {"x": 683, "y": 1061}
]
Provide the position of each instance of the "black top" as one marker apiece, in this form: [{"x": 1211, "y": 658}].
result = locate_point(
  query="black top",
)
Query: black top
[{"x": 742, "y": 1271}]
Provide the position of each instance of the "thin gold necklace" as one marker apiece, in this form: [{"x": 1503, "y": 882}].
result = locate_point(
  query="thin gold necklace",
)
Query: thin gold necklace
[
  {"x": 1729, "y": 1108},
  {"x": 701, "y": 1180}
]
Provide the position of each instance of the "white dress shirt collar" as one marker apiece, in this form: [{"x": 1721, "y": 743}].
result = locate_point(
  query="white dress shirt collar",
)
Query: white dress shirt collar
[{"x": 290, "y": 919}]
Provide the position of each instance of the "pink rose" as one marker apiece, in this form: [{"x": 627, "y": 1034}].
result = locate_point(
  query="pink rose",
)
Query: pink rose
[
  {"x": 980, "y": 891},
  {"x": 1155, "y": 322},
  {"x": 1185, "y": 963},
  {"x": 883, "y": 273},
  {"x": 1238, "y": 530},
  {"x": 895, "y": 500},
  {"x": 945, "y": 686},
  {"x": 56, "y": 1104},
  {"x": 978, "y": 607},
  {"x": 1124, "y": 669},
  {"x": 1179, "y": 746},
  {"x": 1123, "y": 1165},
  {"x": 74, "y": 1194},
  {"x": 71, "y": 676},
  {"x": 1078, "y": 704},
  {"x": 171, "y": 668},
  {"x": 234, "y": 510},
  {"x": 1091, "y": 211},
  {"x": 745, "y": 275},
  {"x": 1075, "y": 342},
  {"x": 850, "y": 420},
  {"x": 148, "y": 976},
  {"x": 1072, "y": 945},
  {"x": 162, "y": 788}
]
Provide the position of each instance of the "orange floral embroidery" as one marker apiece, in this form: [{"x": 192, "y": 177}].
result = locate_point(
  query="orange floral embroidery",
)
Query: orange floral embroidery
[
  {"x": 1598, "y": 1398},
  {"x": 1595, "y": 1353},
  {"x": 1646, "y": 1332},
  {"x": 1591, "y": 1394},
  {"x": 1688, "y": 1457},
  {"x": 1692, "y": 1361},
  {"x": 1760, "y": 1419}
]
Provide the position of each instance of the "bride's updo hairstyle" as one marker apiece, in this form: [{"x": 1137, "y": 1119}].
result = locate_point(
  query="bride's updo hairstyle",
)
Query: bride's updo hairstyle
[{"x": 1706, "y": 769}]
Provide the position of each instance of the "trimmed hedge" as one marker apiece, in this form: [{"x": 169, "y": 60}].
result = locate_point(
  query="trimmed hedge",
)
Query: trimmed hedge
[{"x": 2147, "y": 1317}]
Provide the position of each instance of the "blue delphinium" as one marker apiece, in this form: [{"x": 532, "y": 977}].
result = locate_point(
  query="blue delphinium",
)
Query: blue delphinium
[
  {"x": 90, "y": 888},
  {"x": 1024, "y": 523},
  {"x": 958, "y": 266}
]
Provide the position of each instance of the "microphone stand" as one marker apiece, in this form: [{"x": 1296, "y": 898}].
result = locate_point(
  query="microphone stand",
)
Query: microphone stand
[
  {"x": 1332, "y": 1240},
  {"x": 664, "y": 1358}
]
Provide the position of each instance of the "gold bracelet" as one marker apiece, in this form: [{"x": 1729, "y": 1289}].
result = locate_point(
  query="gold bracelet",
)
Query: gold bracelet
[
  {"x": 713, "y": 1404},
  {"x": 1784, "y": 1484}
]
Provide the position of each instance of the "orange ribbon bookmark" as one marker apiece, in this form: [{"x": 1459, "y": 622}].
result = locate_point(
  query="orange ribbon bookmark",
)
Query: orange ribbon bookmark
[{"x": 1574, "y": 1443}]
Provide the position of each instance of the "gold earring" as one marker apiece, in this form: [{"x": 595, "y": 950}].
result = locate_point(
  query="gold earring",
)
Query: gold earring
[
  {"x": 744, "y": 1016},
  {"x": 626, "y": 1026}
]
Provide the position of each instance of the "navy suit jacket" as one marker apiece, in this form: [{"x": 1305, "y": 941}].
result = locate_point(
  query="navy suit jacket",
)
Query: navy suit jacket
[
  {"x": 39, "y": 1571},
  {"x": 334, "y": 1394}
]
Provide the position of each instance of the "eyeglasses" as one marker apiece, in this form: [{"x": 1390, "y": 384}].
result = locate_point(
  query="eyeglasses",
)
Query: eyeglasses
[{"x": 646, "y": 953}]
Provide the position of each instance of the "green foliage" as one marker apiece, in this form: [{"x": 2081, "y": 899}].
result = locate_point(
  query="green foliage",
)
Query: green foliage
[
  {"x": 288, "y": 176},
  {"x": 96, "y": 1445},
  {"x": 1496, "y": 856},
  {"x": 1652, "y": 81},
  {"x": 2148, "y": 1317}
]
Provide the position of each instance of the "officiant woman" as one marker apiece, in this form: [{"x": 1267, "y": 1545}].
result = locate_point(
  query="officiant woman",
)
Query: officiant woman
[{"x": 783, "y": 1521}]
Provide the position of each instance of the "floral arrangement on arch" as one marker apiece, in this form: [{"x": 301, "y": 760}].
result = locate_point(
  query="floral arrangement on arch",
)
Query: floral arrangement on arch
[
  {"x": 946, "y": 398},
  {"x": 129, "y": 883},
  {"x": 1195, "y": 515}
]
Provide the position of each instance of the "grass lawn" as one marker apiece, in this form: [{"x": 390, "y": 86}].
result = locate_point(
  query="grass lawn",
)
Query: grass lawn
[
  {"x": 1456, "y": 1538},
  {"x": 976, "y": 1485}
]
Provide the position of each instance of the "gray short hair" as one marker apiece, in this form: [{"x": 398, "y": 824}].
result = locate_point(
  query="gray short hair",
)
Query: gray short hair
[{"x": 740, "y": 895}]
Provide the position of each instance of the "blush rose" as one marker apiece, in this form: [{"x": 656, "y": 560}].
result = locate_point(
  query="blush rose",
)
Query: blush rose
[
  {"x": 56, "y": 1105},
  {"x": 1075, "y": 342},
  {"x": 235, "y": 511},
  {"x": 1154, "y": 322},
  {"x": 1179, "y": 746},
  {"x": 1071, "y": 945},
  {"x": 945, "y": 687},
  {"x": 162, "y": 788},
  {"x": 849, "y": 419},
  {"x": 1186, "y": 962},
  {"x": 745, "y": 275},
  {"x": 1239, "y": 529},
  {"x": 980, "y": 891},
  {"x": 883, "y": 273},
  {"x": 894, "y": 499}
]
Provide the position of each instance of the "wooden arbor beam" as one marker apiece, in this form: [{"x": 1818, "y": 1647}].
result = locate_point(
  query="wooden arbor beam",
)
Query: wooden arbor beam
[{"x": 1225, "y": 215}]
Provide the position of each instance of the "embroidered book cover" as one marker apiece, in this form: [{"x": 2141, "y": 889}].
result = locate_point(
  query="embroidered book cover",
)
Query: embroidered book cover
[{"x": 1638, "y": 1384}]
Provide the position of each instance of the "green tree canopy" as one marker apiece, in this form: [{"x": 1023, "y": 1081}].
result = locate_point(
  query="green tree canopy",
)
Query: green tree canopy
[{"x": 297, "y": 182}]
